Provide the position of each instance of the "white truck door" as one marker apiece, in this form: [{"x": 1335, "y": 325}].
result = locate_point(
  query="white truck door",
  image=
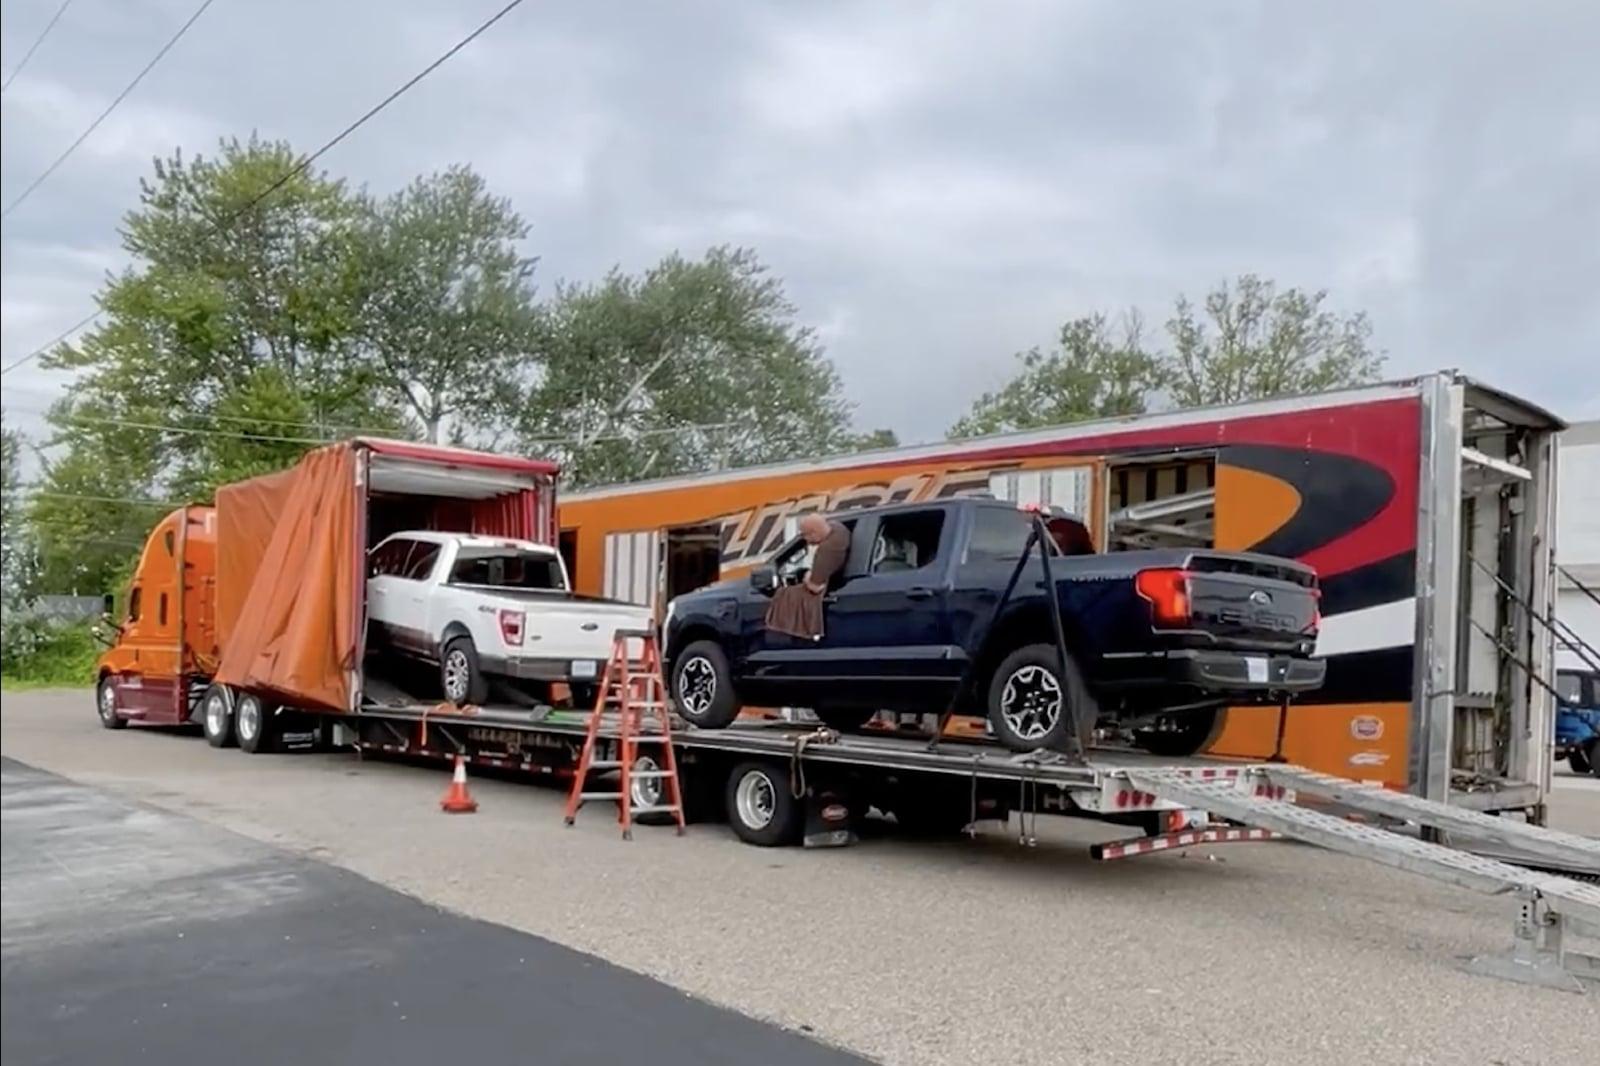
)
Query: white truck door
[{"x": 633, "y": 569}]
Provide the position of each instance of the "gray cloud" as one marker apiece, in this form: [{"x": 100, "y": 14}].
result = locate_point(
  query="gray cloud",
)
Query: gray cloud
[{"x": 940, "y": 185}]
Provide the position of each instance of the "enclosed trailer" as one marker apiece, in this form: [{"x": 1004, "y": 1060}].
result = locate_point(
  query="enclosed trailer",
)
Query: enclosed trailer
[
  {"x": 1425, "y": 505},
  {"x": 265, "y": 591}
]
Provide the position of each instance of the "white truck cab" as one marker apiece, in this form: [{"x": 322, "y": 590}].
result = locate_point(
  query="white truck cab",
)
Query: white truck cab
[{"x": 490, "y": 607}]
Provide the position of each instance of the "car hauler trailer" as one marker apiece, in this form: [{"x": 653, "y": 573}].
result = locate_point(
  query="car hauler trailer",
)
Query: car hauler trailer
[
  {"x": 782, "y": 783},
  {"x": 1425, "y": 506}
]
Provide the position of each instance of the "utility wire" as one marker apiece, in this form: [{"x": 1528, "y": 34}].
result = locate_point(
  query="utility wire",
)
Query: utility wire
[
  {"x": 37, "y": 41},
  {"x": 123, "y": 95},
  {"x": 292, "y": 171}
]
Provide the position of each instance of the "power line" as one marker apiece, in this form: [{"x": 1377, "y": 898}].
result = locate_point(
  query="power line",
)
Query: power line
[
  {"x": 31, "y": 492},
  {"x": 51, "y": 343},
  {"x": 37, "y": 41},
  {"x": 123, "y": 95},
  {"x": 385, "y": 102},
  {"x": 298, "y": 167}
]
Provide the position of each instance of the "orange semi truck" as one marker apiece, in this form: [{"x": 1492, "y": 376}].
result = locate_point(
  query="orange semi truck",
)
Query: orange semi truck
[{"x": 261, "y": 597}]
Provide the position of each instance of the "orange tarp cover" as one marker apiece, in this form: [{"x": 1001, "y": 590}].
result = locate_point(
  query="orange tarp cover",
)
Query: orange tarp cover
[{"x": 286, "y": 580}]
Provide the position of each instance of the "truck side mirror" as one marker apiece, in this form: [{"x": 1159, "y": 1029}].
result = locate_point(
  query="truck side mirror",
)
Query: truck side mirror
[{"x": 764, "y": 579}]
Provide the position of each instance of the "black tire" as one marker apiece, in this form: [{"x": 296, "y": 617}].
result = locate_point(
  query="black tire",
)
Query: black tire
[
  {"x": 105, "y": 705},
  {"x": 1180, "y": 734},
  {"x": 843, "y": 719},
  {"x": 216, "y": 716},
  {"x": 702, "y": 686},
  {"x": 460, "y": 675},
  {"x": 1044, "y": 698},
  {"x": 761, "y": 808},
  {"x": 649, "y": 792},
  {"x": 255, "y": 724}
]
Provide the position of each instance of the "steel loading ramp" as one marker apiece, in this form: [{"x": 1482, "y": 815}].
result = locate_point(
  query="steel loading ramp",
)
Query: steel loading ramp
[
  {"x": 1534, "y": 841},
  {"x": 1550, "y": 906}
]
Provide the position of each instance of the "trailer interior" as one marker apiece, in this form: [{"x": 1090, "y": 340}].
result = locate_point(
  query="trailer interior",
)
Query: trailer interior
[{"x": 427, "y": 491}]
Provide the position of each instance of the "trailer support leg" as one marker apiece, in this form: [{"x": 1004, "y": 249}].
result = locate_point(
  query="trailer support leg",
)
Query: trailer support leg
[
  {"x": 1537, "y": 955},
  {"x": 1283, "y": 728}
]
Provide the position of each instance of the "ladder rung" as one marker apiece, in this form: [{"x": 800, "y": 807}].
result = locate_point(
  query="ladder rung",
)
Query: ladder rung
[
  {"x": 651, "y": 773},
  {"x": 655, "y": 809},
  {"x": 605, "y": 764},
  {"x": 599, "y": 795}
]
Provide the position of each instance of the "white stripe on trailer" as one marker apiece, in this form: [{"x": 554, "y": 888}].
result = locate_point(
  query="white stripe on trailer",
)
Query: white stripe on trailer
[
  {"x": 1385, "y": 625},
  {"x": 1187, "y": 839}
]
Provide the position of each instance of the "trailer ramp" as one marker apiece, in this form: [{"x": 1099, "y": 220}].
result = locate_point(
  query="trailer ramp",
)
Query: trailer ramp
[{"x": 1549, "y": 906}]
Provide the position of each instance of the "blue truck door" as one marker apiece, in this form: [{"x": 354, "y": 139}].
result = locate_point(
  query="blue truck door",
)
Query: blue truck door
[{"x": 888, "y": 631}]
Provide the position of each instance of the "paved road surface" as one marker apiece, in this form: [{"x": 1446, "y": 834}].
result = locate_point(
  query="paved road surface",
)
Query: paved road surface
[
  {"x": 938, "y": 953},
  {"x": 134, "y": 935}
]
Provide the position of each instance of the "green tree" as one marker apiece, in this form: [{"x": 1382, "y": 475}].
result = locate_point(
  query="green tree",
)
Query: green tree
[
  {"x": 448, "y": 317},
  {"x": 693, "y": 365},
  {"x": 1091, "y": 373},
  {"x": 16, "y": 553},
  {"x": 1253, "y": 341}
]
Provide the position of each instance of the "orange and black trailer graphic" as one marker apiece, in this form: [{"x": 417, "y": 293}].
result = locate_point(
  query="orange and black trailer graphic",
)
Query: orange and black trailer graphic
[{"x": 1333, "y": 486}]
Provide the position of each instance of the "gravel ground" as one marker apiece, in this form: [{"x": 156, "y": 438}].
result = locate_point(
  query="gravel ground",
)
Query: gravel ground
[{"x": 959, "y": 952}]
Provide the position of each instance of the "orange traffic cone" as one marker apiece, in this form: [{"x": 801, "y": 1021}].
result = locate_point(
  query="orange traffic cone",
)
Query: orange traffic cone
[{"x": 457, "y": 800}]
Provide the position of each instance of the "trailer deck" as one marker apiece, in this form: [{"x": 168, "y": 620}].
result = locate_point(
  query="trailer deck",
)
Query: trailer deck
[{"x": 1254, "y": 800}]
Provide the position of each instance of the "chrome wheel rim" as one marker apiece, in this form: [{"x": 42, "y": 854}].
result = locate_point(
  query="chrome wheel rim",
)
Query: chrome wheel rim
[
  {"x": 108, "y": 701},
  {"x": 457, "y": 671},
  {"x": 755, "y": 799},
  {"x": 216, "y": 714},
  {"x": 645, "y": 791},
  {"x": 249, "y": 718},
  {"x": 1031, "y": 702},
  {"x": 697, "y": 686}
]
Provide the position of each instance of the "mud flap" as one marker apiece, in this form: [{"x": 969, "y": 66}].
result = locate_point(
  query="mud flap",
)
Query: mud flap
[{"x": 828, "y": 823}]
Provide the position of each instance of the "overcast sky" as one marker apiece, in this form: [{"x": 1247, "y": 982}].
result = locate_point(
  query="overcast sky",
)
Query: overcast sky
[{"x": 938, "y": 184}]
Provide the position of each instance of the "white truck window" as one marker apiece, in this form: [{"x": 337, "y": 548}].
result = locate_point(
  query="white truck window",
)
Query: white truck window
[{"x": 508, "y": 568}]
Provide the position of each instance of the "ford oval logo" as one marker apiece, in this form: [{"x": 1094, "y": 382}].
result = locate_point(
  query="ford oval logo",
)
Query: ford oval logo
[
  {"x": 590, "y": 627},
  {"x": 1261, "y": 598}
]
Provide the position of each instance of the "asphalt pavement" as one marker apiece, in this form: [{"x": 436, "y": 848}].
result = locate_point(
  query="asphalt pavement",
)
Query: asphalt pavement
[
  {"x": 915, "y": 952},
  {"x": 136, "y": 935}
]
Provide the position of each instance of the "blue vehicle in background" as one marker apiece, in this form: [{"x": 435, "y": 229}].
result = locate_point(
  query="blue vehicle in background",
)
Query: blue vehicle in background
[{"x": 1578, "y": 720}]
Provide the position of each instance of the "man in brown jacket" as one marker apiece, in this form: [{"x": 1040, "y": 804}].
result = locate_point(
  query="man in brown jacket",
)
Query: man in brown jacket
[{"x": 797, "y": 609}]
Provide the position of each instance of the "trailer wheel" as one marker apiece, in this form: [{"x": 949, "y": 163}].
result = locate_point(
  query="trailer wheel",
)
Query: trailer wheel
[
  {"x": 460, "y": 674},
  {"x": 648, "y": 792},
  {"x": 761, "y": 808},
  {"x": 1035, "y": 700},
  {"x": 702, "y": 686},
  {"x": 255, "y": 724},
  {"x": 105, "y": 704},
  {"x": 216, "y": 715},
  {"x": 1173, "y": 736},
  {"x": 843, "y": 719}
]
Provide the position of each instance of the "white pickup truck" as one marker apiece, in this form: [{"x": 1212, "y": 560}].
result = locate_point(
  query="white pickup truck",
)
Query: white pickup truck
[{"x": 490, "y": 607}]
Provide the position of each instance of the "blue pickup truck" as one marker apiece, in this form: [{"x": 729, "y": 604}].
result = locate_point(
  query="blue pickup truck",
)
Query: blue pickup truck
[
  {"x": 1162, "y": 636},
  {"x": 1578, "y": 720}
]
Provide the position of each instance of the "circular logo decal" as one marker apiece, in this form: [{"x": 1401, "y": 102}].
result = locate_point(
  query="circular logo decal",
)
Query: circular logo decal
[{"x": 1366, "y": 727}]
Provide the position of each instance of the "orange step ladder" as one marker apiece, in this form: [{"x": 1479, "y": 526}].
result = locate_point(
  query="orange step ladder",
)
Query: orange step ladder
[{"x": 637, "y": 689}]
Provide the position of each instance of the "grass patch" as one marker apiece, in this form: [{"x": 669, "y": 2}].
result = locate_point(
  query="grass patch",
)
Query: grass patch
[{"x": 63, "y": 658}]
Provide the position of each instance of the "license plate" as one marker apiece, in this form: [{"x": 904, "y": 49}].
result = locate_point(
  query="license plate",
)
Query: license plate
[
  {"x": 1256, "y": 668},
  {"x": 585, "y": 668}
]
